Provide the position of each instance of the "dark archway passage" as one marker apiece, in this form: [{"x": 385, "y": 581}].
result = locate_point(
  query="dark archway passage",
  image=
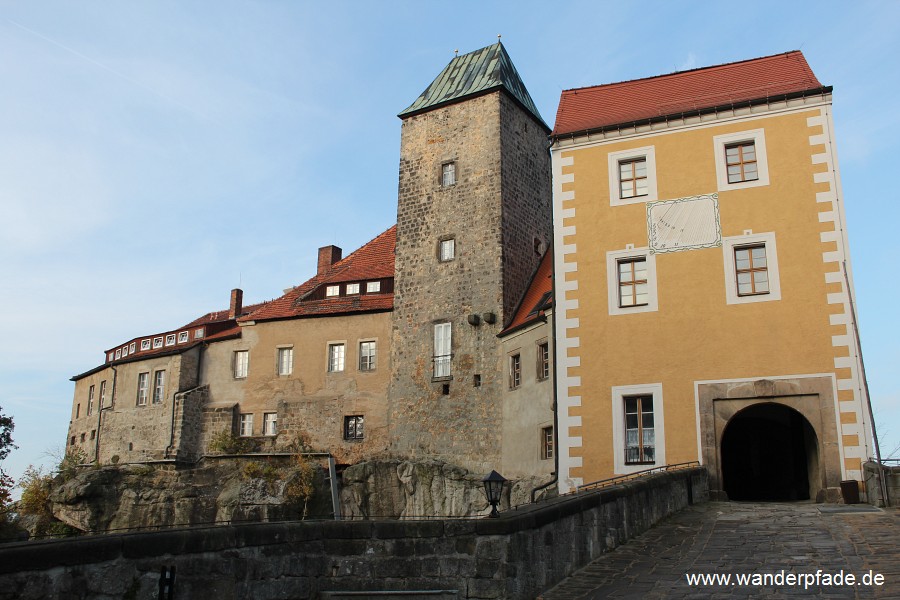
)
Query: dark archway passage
[{"x": 769, "y": 453}]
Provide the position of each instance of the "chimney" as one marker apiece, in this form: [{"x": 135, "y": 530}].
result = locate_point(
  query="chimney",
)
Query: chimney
[
  {"x": 328, "y": 255},
  {"x": 237, "y": 299}
]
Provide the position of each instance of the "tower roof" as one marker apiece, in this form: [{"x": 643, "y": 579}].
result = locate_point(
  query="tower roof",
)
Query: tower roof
[{"x": 474, "y": 74}]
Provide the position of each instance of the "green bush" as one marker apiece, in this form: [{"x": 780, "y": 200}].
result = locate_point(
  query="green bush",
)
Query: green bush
[{"x": 224, "y": 442}]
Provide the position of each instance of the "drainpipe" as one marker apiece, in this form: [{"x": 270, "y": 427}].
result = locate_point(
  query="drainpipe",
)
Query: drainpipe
[{"x": 112, "y": 402}]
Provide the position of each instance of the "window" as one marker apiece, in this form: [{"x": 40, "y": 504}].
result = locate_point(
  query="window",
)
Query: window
[
  {"x": 82, "y": 438},
  {"x": 198, "y": 334},
  {"x": 543, "y": 361},
  {"x": 93, "y": 433},
  {"x": 631, "y": 281},
  {"x": 183, "y": 337},
  {"x": 447, "y": 250},
  {"x": 102, "y": 393},
  {"x": 515, "y": 371},
  {"x": 632, "y": 176},
  {"x": 352, "y": 288},
  {"x": 90, "y": 405},
  {"x": 111, "y": 356},
  {"x": 246, "y": 425},
  {"x": 78, "y": 410},
  {"x": 131, "y": 348},
  {"x": 640, "y": 438},
  {"x": 159, "y": 386},
  {"x": 367, "y": 356},
  {"x": 157, "y": 342},
  {"x": 72, "y": 442},
  {"x": 448, "y": 174},
  {"x": 145, "y": 344},
  {"x": 143, "y": 381},
  {"x": 270, "y": 423},
  {"x": 638, "y": 434},
  {"x": 741, "y": 160},
  {"x": 335, "y": 358},
  {"x": 633, "y": 288},
  {"x": 546, "y": 443},
  {"x": 442, "y": 345},
  {"x": 170, "y": 339},
  {"x": 373, "y": 287},
  {"x": 285, "y": 361},
  {"x": 118, "y": 354},
  {"x": 752, "y": 272},
  {"x": 751, "y": 268},
  {"x": 241, "y": 363},
  {"x": 124, "y": 351},
  {"x": 353, "y": 427},
  {"x": 333, "y": 290}
]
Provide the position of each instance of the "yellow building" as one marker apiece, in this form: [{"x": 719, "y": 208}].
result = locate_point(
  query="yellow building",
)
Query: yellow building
[{"x": 703, "y": 283}]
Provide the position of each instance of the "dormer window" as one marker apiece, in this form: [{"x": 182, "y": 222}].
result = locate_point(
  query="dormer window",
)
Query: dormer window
[
  {"x": 157, "y": 342},
  {"x": 373, "y": 287},
  {"x": 352, "y": 288},
  {"x": 183, "y": 337},
  {"x": 145, "y": 345},
  {"x": 198, "y": 334},
  {"x": 170, "y": 339},
  {"x": 332, "y": 290}
]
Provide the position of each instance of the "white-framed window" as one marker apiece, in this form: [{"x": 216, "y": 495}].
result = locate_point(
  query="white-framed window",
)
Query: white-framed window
[
  {"x": 157, "y": 342},
  {"x": 447, "y": 250},
  {"x": 145, "y": 345},
  {"x": 515, "y": 371},
  {"x": 118, "y": 353},
  {"x": 332, "y": 290},
  {"x": 124, "y": 351},
  {"x": 373, "y": 287},
  {"x": 183, "y": 337},
  {"x": 270, "y": 423},
  {"x": 246, "y": 425},
  {"x": 170, "y": 339},
  {"x": 751, "y": 268},
  {"x": 198, "y": 334},
  {"x": 352, "y": 288},
  {"x": 632, "y": 176},
  {"x": 442, "y": 349},
  {"x": 631, "y": 281},
  {"x": 131, "y": 347},
  {"x": 367, "y": 355},
  {"x": 241, "y": 363},
  {"x": 741, "y": 160},
  {"x": 336, "y": 357},
  {"x": 159, "y": 386},
  {"x": 285, "y": 360},
  {"x": 90, "y": 406},
  {"x": 102, "y": 393},
  {"x": 353, "y": 427},
  {"x": 111, "y": 356},
  {"x": 638, "y": 433},
  {"x": 448, "y": 174},
  {"x": 543, "y": 361},
  {"x": 546, "y": 442},
  {"x": 142, "y": 388}
]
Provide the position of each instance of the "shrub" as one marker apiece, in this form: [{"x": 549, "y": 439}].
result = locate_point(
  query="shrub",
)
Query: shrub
[
  {"x": 225, "y": 442},
  {"x": 301, "y": 488},
  {"x": 68, "y": 466}
]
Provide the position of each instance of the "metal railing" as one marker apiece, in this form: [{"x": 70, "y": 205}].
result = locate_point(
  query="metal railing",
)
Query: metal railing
[{"x": 603, "y": 483}]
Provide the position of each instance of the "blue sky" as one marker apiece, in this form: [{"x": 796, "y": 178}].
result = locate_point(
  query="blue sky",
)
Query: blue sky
[{"x": 155, "y": 155}]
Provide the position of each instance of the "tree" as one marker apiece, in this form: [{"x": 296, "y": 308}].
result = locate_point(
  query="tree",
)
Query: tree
[
  {"x": 6, "y": 482},
  {"x": 6, "y": 429}
]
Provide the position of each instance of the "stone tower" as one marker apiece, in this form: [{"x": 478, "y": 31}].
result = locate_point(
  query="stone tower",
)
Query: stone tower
[{"x": 473, "y": 219}]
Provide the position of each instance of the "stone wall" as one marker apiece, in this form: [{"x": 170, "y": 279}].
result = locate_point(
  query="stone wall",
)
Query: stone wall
[
  {"x": 518, "y": 555},
  {"x": 188, "y": 432},
  {"x": 871, "y": 491}
]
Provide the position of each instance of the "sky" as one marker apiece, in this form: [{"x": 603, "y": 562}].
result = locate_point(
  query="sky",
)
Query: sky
[{"x": 155, "y": 155}]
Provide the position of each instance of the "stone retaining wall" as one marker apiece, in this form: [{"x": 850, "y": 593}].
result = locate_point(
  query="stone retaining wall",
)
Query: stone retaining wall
[{"x": 519, "y": 555}]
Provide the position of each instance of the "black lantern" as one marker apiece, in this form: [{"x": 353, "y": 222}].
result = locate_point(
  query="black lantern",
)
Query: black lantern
[{"x": 493, "y": 486}]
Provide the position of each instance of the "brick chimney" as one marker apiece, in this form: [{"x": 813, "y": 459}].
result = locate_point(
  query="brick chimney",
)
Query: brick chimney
[
  {"x": 237, "y": 299},
  {"x": 328, "y": 255}
]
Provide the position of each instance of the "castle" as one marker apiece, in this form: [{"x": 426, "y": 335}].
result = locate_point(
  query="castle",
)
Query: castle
[{"x": 701, "y": 272}]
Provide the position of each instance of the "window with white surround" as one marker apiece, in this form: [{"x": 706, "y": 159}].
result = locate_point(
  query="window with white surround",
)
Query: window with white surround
[
  {"x": 543, "y": 361},
  {"x": 102, "y": 393},
  {"x": 285, "y": 360},
  {"x": 515, "y": 371},
  {"x": 246, "y": 425},
  {"x": 352, "y": 288},
  {"x": 336, "y": 357},
  {"x": 270, "y": 423},
  {"x": 170, "y": 339},
  {"x": 741, "y": 160},
  {"x": 442, "y": 349},
  {"x": 124, "y": 351},
  {"x": 143, "y": 388},
  {"x": 638, "y": 433},
  {"x": 159, "y": 386},
  {"x": 332, "y": 290},
  {"x": 183, "y": 337},
  {"x": 157, "y": 342},
  {"x": 90, "y": 406},
  {"x": 131, "y": 348},
  {"x": 373, "y": 287},
  {"x": 241, "y": 363},
  {"x": 631, "y": 281},
  {"x": 145, "y": 344},
  {"x": 751, "y": 268},
  {"x": 198, "y": 334},
  {"x": 546, "y": 442},
  {"x": 118, "y": 353},
  {"x": 367, "y": 356},
  {"x": 448, "y": 174},
  {"x": 447, "y": 250},
  {"x": 632, "y": 176}
]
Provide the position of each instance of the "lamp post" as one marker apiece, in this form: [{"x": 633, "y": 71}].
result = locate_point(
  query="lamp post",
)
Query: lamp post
[{"x": 493, "y": 486}]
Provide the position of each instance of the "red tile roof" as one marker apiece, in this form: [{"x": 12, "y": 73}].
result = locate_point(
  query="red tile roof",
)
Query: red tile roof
[
  {"x": 597, "y": 107},
  {"x": 538, "y": 297},
  {"x": 374, "y": 260}
]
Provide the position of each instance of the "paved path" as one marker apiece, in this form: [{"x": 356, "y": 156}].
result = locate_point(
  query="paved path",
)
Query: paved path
[{"x": 745, "y": 538}]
